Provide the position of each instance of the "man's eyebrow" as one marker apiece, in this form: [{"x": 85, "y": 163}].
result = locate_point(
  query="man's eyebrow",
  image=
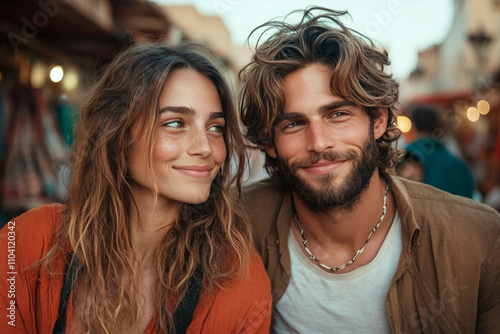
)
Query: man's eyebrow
[
  {"x": 287, "y": 116},
  {"x": 322, "y": 109},
  {"x": 336, "y": 105},
  {"x": 189, "y": 111}
]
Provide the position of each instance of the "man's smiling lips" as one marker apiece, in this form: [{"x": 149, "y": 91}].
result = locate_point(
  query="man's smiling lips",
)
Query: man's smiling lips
[{"x": 323, "y": 167}]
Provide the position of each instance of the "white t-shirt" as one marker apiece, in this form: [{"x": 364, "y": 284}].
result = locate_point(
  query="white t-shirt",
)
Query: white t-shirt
[{"x": 316, "y": 301}]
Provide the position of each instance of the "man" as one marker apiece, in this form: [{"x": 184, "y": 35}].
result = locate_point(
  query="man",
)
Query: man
[
  {"x": 441, "y": 168},
  {"x": 350, "y": 248}
]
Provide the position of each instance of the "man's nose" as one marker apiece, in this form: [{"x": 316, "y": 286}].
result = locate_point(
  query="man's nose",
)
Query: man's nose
[{"x": 319, "y": 137}]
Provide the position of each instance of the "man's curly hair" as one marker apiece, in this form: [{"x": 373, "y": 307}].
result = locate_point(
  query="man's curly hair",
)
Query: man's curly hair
[{"x": 319, "y": 37}]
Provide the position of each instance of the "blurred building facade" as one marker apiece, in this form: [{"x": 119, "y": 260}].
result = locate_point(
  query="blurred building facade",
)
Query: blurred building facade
[
  {"x": 461, "y": 76},
  {"x": 72, "y": 39},
  {"x": 468, "y": 57},
  {"x": 210, "y": 30}
]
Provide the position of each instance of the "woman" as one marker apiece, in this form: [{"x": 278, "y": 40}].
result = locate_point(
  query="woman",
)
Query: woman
[{"x": 148, "y": 207}]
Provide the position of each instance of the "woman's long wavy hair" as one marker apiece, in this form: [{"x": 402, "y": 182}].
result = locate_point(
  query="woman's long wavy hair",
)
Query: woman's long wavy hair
[
  {"x": 358, "y": 76},
  {"x": 96, "y": 226}
]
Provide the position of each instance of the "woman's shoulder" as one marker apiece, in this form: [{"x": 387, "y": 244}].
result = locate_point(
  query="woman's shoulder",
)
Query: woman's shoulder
[
  {"x": 254, "y": 281},
  {"x": 27, "y": 238},
  {"x": 44, "y": 212},
  {"x": 33, "y": 231},
  {"x": 240, "y": 306},
  {"x": 257, "y": 269},
  {"x": 39, "y": 220}
]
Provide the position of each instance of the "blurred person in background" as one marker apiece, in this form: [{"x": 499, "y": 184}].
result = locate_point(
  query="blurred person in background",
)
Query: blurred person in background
[
  {"x": 411, "y": 168},
  {"x": 149, "y": 239},
  {"x": 441, "y": 168}
]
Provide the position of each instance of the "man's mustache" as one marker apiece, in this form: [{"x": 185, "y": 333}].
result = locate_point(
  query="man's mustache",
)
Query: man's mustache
[{"x": 325, "y": 156}]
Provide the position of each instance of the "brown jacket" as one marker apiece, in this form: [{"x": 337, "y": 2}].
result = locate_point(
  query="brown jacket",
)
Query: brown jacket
[{"x": 448, "y": 276}]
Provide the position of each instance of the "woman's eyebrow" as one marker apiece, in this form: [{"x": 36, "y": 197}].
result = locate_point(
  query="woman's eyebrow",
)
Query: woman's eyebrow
[
  {"x": 179, "y": 110},
  {"x": 217, "y": 115},
  {"x": 190, "y": 111}
]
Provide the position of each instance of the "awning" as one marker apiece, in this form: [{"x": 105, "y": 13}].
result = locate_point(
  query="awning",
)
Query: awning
[{"x": 442, "y": 97}]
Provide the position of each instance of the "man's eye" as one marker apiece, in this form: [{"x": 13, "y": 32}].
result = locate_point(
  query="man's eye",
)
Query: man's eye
[
  {"x": 173, "y": 124},
  {"x": 337, "y": 114},
  {"x": 291, "y": 125}
]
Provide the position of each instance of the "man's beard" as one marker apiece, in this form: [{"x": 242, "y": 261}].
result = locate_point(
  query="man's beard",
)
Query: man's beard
[{"x": 326, "y": 196}]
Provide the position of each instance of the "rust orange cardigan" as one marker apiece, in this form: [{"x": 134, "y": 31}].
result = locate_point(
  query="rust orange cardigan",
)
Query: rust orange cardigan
[{"x": 29, "y": 300}]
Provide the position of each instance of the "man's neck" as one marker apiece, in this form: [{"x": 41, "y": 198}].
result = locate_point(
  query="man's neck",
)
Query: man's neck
[{"x": 335, "y": 236}]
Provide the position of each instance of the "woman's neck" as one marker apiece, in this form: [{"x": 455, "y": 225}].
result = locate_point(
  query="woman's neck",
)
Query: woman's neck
[{"x": 150, "y": 222}]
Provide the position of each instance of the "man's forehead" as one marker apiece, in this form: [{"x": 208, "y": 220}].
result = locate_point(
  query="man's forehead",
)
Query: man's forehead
[{"x": 333, "y": 102}]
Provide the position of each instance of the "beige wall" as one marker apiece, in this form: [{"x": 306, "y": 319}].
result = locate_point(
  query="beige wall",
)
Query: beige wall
[
  {"x": 209, "y": 30},
  {"x": 457, "y": 66}
]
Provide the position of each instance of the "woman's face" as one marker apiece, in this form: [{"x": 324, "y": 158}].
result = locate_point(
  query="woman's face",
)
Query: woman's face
[{"x": 189, "y": 148}]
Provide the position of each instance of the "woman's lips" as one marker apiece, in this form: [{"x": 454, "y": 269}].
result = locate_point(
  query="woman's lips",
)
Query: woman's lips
[{"x": 199, "y": 172}]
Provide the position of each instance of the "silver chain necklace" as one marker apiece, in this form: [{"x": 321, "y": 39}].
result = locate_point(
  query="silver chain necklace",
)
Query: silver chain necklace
[{"x": 304, "y": 241}]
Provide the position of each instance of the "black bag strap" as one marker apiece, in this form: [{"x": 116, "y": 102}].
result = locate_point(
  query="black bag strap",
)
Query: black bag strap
[
  {"x": 69, "y": 277},
  {"x": 182, "y": 316},
  {"x": 184, "y": 313}
]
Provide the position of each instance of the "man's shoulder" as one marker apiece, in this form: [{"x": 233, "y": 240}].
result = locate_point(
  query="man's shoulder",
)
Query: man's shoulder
[
  {"x": 444, "y": 209},
  {"x": 263, "y": 201},
  {"x": 264, "y": 192},
  {"x": 421, "y": 193},
  {"x": 458, "y": 238}
]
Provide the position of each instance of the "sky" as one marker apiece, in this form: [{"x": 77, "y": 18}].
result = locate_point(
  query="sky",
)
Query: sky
[{"x": 402, "y": 27}]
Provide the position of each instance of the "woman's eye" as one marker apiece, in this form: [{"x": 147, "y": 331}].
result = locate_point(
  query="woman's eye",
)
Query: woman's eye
[
  {"x": 216, "y": 128},
  {"x": 173, "y": 124}
]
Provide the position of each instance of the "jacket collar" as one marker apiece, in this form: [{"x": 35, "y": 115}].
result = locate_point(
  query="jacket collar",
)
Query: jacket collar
[
  {"x": 283, "y": 223},
  {"x": 410, "y": 229}
]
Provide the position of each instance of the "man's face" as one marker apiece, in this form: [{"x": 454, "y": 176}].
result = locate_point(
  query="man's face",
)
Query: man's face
[{"x": 324, "y": 144}]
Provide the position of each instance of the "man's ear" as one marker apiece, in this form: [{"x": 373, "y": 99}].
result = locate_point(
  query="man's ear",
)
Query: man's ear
[
  {"x": 270, "y": 149},
  {"x": 380, "y": 123}
]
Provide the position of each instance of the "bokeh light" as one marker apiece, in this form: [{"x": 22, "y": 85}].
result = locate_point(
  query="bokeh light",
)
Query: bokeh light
[
  {"x": 38, "y": 75},
  {"x": 70, "y": 80},
  {"x": 404, "y": 124},
  {"x": 56, "y": 74},
  {"x": 473, "y": 114},
  {"x": 483, "y": 107}
]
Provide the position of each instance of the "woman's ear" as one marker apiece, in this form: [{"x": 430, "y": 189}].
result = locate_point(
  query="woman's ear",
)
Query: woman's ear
[
  {"x": 380, "y": 123},
  {"x": 270, "y": 149}
]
